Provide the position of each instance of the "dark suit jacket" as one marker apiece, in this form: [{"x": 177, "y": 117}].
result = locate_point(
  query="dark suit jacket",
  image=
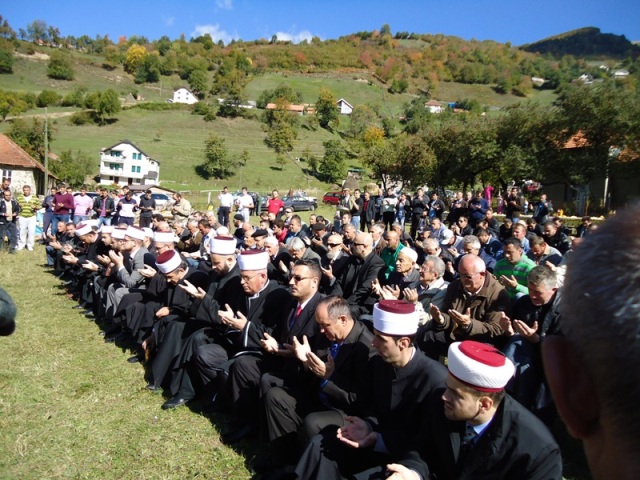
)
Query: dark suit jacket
[
  {"x": 516, "y": 444},
  {"x": 349, "y": 378},
  {"x": 355, "y": 283},
  {"x": 305, "y": 324}
]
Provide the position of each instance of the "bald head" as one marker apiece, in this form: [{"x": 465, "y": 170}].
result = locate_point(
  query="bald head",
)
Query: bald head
[{"x": 472, "y": 263}]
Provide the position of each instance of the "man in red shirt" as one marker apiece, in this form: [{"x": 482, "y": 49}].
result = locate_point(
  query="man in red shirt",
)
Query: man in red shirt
[
  {"x": 274, "y": 204},
  {"x": 62, "y": 205}
]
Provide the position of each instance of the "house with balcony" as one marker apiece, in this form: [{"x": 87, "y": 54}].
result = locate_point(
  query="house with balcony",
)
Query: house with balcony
[{"x": 126, "y": 164}]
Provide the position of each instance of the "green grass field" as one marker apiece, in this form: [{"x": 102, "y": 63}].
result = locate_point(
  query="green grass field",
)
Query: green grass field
[{"x": 72, "y": 407}]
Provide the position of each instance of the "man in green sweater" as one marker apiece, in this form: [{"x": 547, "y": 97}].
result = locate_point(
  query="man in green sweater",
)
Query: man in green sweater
[
  {"x": 512, "y": 270},
  {"x": 390, "y": 254},
  {"x": 29, "y": 206}
]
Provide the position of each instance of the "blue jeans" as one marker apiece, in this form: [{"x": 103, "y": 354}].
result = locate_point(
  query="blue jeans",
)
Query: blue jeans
[
  {"x": 355, "y": 221},
  {"x": 529, "y": 376},
  {"x": 80, "y": 218},
  {"x": 104, "y": 221}
]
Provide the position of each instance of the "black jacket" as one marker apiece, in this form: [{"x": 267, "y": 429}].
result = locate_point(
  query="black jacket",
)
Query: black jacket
[
  {"x": 109, "y": 206},
  {"x": 516, "y": 444},
  {"x": 15, "y": 208}
]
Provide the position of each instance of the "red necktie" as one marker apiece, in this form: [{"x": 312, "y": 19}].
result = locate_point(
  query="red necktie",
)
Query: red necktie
[{"x": 295, "y": 317}]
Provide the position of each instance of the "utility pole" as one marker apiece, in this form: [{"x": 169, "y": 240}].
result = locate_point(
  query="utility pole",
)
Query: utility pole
[{"x": 46, "y": 153}]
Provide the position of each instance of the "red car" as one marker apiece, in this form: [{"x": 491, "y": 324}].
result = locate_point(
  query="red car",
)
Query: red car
[{"x": 332, "y": 198}]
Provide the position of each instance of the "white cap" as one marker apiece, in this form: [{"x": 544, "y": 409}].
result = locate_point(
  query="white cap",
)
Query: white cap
[
  {"x": 223, "y": 246},
  {"x": 147, "y": 232},
  {"x": 395, "y": 317},
  {"x": 119, "y": 233},
  {"x": 106, "y": 229},
  {"x": 83, "y": 229},
  {"x": 479, "y": 365},
  {"x": 222, "y": 231},
  {"x": 253, "y": 260},
  {"x": 447, "y": 235},
  {"x": 135, "y": 232},
  {"x": 168, "y": 261},
  {"x": 409, "y": 252},
  {"x": 164, "y": 237}
]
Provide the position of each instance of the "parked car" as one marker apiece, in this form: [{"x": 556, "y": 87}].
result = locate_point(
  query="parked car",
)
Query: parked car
[
  {"x": 332, "y": 198},
  {"x": 161, "y": 199},
  {"x": 298, "y": 203}
]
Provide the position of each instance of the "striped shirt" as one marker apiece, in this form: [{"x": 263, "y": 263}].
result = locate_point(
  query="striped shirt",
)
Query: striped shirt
[
  {"x": 520, "y": 271},
  {"x": 28, "y": 205}
]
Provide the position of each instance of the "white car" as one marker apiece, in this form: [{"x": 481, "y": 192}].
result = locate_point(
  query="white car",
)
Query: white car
[{"x": 160, "y": 198}]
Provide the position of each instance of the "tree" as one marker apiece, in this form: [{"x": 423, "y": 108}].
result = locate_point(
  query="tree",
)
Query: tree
[
  {"x": 333, "y": 165},
  {"x": 5, "y": 29},
  {"x": 604, "y": 116},
  {"x": 47, "y": 98},
  {"x": 73, "y": 168},
  {"x": 11, "y": 104},
  {"x": 6, "y": 57},
  {"x": 326, "y": 108},
  {"x": 134, "y": 57},
  {"x": 198, "y": 83},
  {"x": 30, "y": 137},
  {"x": 218, "y": 162},
  {"x": 148, "y": 70},
  {"x": 37, "y": 31},
  {"x": 60, "y": 66},
  {"x": 362, "y": 118},
  {"x": 108, "y": 106}
]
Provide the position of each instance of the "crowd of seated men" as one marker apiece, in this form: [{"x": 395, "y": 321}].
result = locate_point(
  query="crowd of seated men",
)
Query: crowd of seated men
[{"x": 328, "y": 344}]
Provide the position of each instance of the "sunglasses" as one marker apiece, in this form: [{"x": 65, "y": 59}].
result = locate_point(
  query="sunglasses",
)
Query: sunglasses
[{"x": 298, "y": 278}]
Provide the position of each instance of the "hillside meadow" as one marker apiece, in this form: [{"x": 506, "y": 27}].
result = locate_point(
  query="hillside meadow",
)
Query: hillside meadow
[{"x": 176, "y": 137}]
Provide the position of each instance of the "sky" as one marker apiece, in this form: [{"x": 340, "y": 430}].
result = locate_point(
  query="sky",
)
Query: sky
[{"x": 514, "y": 21}]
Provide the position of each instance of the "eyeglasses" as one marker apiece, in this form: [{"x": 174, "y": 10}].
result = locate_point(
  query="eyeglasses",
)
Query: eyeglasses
[
  {"x": 247, "y": 279},
  {"x": 298, "y": 278},
  {"x": 288, "y": 211},
  {"x": 332, "y": 245},
  {"x": 469, "y": 276}
]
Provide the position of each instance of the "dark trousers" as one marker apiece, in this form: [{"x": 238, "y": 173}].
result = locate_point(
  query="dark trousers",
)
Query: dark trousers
[
  {"x": 145, "y": 221},
  {"x": 327, "y": 457},
  {"x": 10, "y": 230},
  {"x": 223, "y": 216},
  {"x": 388, "y": 219}
]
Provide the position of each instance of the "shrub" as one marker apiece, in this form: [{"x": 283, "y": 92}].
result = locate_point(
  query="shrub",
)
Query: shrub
[
  {"x": 60, "y": 67},
  {"x": 81, "y": 118},
  {"x": 47, "y": 98}
]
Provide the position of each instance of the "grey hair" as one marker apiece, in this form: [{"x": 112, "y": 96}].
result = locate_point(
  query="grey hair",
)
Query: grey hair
[
  {"x": 438, "y": 265},
  {"x": 472, "y": 240}
]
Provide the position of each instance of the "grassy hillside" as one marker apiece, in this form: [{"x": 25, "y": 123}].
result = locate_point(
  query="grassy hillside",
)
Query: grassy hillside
[{"x": 176, "y": 138}]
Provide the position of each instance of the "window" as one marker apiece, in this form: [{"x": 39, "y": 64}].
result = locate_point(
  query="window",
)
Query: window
[
  {"x": 7, "y": 174},
  {"x": 135, "y": 169},
  {"x": 115, "y": 153},
  {"x": 115, "y": 166}
]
